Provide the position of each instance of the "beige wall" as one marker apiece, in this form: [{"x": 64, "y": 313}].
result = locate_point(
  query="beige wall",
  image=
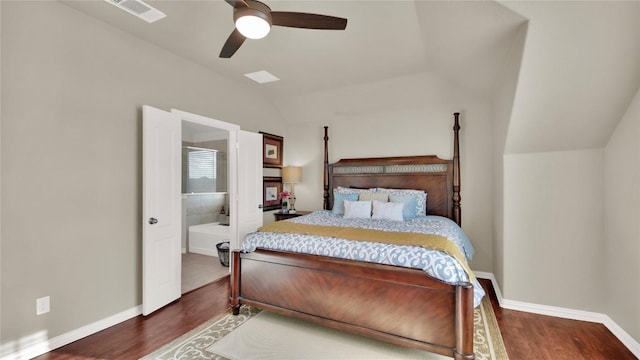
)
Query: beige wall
[
  {"x": 503, "y": 106},
  {"x": 73, "y": 88},
  {"x": 554, "y": 240},
  {"x": 553, "y": 227},
  {"x": 420, "y": 125},
  {"x": 571, "y": 231},
  {"x": 621, "y": 250}
]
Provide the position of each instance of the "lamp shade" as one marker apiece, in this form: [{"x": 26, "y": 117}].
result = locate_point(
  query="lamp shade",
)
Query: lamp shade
[{"x": 292, "y": 174}]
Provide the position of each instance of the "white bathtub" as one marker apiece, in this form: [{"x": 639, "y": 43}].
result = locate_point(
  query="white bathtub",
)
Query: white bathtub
[{"x": 204, "y": 237}]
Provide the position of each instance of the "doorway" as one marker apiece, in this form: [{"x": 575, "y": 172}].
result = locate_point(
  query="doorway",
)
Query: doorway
[
  {"x": 161, "y": 197},
  {"x": 205, "y": 204}
]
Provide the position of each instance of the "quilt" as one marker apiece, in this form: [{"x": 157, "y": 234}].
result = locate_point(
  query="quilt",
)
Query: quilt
[{"x": 435, "y": 263}]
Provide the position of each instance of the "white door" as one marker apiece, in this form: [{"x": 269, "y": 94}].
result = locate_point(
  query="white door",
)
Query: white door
[
  {"x": 249, "y": 183},
  {"x": 161, "y": 209}
]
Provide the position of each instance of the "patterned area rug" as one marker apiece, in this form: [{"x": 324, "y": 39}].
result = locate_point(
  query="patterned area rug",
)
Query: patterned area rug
[{"x": 270, "y": 336}]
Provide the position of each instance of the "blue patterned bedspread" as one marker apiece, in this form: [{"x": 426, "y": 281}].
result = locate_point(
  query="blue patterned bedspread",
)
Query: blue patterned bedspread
[{"x": 435, "y": 263}]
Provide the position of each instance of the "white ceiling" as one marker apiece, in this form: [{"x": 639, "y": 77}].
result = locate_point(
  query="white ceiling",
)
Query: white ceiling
[
  {"x": 579, "y": 68},
  {"x": 463, "y": 41}
]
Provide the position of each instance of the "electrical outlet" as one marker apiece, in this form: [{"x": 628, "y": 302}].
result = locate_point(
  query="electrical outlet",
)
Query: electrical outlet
[{"x": 42, "y": 305}]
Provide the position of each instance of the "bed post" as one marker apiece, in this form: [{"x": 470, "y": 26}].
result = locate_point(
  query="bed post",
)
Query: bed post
[
  {"x": 464, "y": 322},
  {"x": 325, "y": 196},
  {"x": 457, "y": 217},
  {"x": 234, "y": 291}
]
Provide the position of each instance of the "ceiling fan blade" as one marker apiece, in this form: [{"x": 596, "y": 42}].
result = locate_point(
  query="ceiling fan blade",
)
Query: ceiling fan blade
[
  {"x": 308, "y": 21},
  {"x": 232, "y": 44},
  {"x": 237, "y": 4}
]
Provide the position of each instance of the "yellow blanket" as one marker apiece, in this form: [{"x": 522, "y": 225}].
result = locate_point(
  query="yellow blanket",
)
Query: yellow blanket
[{"x": 429, "y": 241}]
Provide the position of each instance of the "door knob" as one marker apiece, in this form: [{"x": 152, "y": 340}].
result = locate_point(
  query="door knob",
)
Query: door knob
[
  {"x": 260, "y": 206},
  {"x": 153, "y": 221}
]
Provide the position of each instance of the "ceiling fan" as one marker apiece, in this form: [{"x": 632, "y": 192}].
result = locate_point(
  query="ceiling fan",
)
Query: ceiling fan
[{"x": 254, "y": 19}]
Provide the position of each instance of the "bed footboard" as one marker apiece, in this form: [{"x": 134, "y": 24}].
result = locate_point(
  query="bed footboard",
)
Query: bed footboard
[{"x": 389, "y": 303}]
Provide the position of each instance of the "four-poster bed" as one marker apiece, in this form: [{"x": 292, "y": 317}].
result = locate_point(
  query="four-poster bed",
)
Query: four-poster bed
[{"x": 396, "y": 304}]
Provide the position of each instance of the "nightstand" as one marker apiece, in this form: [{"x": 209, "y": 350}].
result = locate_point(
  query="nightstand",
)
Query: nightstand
[{"x": 280, "y": 216}]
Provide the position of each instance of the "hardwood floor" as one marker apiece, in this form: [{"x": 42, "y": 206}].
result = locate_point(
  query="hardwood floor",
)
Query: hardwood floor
[
  {"x": 531, "y": 336},
  {"x": 140, "y": 336},
  {"x": 526, "y": 336}
]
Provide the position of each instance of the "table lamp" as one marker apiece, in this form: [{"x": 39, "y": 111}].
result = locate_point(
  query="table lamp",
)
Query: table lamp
[{"x": 292, "y": 175}]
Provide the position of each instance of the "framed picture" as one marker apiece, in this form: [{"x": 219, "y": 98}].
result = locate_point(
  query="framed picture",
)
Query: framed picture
[
  {"x": 272, "y": 150},
  {"x": 272, "y": 186}
]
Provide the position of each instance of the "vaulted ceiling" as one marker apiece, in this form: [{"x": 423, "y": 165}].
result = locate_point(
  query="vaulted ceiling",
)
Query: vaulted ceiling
[
  {"x": 580, "y": 58},
  {"x": 383, "y": 39},
  {"x": 580, "y": 70}
]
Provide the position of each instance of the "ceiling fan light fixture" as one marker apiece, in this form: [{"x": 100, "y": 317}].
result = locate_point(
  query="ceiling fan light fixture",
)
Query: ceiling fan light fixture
[
  {"x": 253, "y": 27},
  {"x": 253, "y": 20}
]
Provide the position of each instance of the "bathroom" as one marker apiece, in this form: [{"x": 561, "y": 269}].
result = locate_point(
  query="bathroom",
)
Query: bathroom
[{"x": 205, "y": 203}]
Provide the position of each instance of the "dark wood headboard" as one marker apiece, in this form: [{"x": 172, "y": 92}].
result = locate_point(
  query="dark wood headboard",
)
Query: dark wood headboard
[{"x": 439, "y": 178}]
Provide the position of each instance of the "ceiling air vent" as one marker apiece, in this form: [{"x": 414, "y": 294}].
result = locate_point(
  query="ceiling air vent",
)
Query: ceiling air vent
[{"x": 139, "y": 8}]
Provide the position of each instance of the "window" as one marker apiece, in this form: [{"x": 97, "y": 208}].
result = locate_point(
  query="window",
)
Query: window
[{"x": 199, "y": 170}]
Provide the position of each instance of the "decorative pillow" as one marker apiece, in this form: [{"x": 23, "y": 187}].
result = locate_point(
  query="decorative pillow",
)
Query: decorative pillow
[
  {"x": 357, "y": 209},
  {"x": 370, "y": 195},
  {"x": 344, "y": 190},
  {"x": 387, "y": 210},
  {"x": 421, "y": 203},
  {"x": 338, "y": 201},
  {"x": 409, "y": 202}
]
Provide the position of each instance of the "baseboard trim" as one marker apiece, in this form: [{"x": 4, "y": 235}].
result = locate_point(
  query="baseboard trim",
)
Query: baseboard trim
[
  {"x": 622, "y": 335},
  {"x": 30, "y": 348},
  {"x": 565, "y": 313},
  {"x": 21, "y": 349}
]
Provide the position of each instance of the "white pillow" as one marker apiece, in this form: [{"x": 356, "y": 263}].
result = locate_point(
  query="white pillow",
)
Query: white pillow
[
  {"x": 415, "y": 201},
  {"x": 387, "y": 210},
  {"x": 357, "y": 209}
]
